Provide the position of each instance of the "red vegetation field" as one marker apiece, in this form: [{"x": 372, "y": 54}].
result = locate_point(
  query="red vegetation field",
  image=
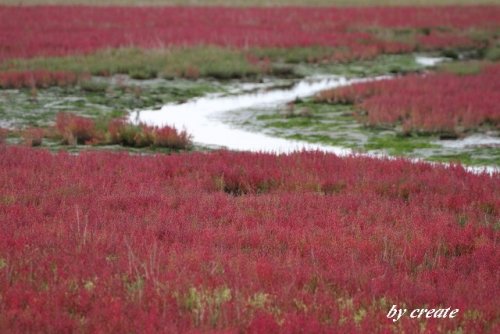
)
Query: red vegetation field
[
  {"x": 440, "y": 102},
  {"x": 102, "y": 242},
  {"x": 61, "y": 30}
]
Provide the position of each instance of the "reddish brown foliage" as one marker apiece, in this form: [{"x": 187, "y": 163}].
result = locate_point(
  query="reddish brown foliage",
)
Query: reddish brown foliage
[
  {"x": 440, "y": 102},
  {"x": 39, "y": 79},
  {"x": 3, "y": 135},
  {"x": 75, "y": 129},
  {"x": 62, "y": 30},
  {"x": 124, "y": 133},
  {"x": 33, "y": 136},
  {"x": 102, "y": 242}
]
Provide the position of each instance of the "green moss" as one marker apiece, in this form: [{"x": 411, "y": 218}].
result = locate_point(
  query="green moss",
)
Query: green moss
[
  {"x": 97, "y": 98},
  {"x": 293, "y": 123},
  {"x": 462, "y": 67},
  {"x": 381, "y": 65},
  {"x": 485, "y": 156},
  {"x": 55, "y": 146},
  {"x": 322, "y": 139},
  {"x": 398, "y": 145}
]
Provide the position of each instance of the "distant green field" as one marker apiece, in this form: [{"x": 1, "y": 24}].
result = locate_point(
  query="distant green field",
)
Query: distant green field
[{"x": 253, "y": 2}]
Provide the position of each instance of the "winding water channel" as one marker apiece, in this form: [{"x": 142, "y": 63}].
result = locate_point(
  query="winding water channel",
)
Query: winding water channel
[{"x": 202, "y": 117}]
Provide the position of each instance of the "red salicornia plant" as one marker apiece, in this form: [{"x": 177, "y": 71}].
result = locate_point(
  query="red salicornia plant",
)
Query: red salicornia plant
[
  {"x": 434, "y": 103},
  {"x": 123, "y": 133},
  {"x": 61, "y": 30},
  {"x": 36, "y": 79},
  {"x": 75, "y": 129},
  {"x": 241, "y": 242}
]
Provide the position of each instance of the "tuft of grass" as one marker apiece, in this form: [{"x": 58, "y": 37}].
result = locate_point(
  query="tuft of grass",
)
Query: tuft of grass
[
  {"x": 493, "y": 53},
  {"x": 132, "y": 61},
  {"x": 208, "y": 61},
  {"x": 296, "y": 55},
  {"x": 184, "y": 62},
  {"x": 463, "y": 67},
  {"x": 406, "y": 36},
  {"x": 94, "y": 86}
]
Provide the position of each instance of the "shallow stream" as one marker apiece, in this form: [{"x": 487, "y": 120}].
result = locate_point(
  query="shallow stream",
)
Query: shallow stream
[{"x": 208, "y": 118}]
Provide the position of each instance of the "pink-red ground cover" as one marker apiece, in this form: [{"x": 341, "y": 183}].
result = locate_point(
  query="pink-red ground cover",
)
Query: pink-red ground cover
[
  {"x": 435, "y": 103},
  {"x": 237, "y": 242},
  {"x": 61, "y": 30}
]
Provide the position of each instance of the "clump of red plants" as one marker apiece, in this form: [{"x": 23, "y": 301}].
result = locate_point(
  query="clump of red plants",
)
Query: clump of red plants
[
  {"x": 76, "y": 129},
  {"x": 127, "y": 134},
  {"x": 243, "y": 242},
  {"x": 33, "y": 136},
  {"x": 3, "y": 134},
  {"x": 37, "y": 79},
  {"x": 441, "y": 103}
]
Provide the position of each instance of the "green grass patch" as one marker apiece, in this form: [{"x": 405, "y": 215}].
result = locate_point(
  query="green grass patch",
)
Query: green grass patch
[
  {"x": 97, "y": 98},
  {"x": 295, "y": 55},
  {"x": 104, "y": 62},
  {"x": 322, "y": 139},
  {"x": 381, "y": 65},
  {"x": 398, "y": 145},
  {"x": 213, "y": 62},
  {"x": 292, "y": 123},
  {"x": 401, "y": 35},
  {"x": 482, "y": 156},
  {"x": 492, "y": 53},
  {"x": 463, "y": 67},
  {"x": 56, "y": 146},
  {"x": 208, "y": 61},
  {"x": 189, "y": 62}
]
